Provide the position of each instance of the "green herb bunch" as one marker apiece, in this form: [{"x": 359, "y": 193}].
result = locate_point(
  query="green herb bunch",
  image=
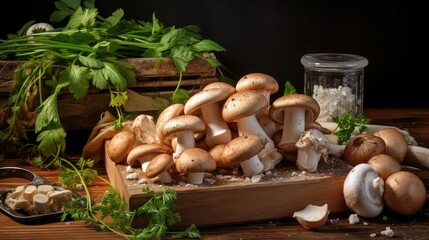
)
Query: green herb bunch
[{"x": 85, "y": 53}]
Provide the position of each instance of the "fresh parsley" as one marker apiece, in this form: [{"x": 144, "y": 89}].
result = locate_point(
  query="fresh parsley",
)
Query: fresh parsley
[{"x": 347, "y": 123}]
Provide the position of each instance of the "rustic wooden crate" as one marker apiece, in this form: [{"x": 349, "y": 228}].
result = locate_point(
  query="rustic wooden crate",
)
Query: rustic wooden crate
[
  {"x": 226, "y": 202},
  {"x": 156, "y": 81}
]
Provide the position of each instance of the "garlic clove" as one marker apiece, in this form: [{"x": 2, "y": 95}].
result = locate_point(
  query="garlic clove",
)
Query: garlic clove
[{"x": 312, "y": 216}]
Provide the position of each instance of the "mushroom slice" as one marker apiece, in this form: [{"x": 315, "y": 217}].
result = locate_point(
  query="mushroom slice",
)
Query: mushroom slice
[
  {"x": 363, "y": 191},
  {"x": 312, "y": 216}
]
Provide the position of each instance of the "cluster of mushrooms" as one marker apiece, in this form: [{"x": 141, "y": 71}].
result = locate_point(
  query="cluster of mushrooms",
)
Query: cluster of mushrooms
[{"x": 223, "y": 127}]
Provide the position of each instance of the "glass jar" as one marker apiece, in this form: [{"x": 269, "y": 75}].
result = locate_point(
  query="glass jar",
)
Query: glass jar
[{"x": 336, "y": 81}]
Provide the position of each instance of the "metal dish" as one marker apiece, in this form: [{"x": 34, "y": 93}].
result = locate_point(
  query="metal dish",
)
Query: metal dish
[{"x": 20, "y": 216}]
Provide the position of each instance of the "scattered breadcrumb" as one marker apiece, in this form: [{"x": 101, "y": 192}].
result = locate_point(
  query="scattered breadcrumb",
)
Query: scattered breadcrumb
[
  {"x": 373, "y": 235},
  {"x": 129, "y": 169},
  {"x": 132, "y": 176},
  {"x": 388, "y": 232},
  {"x": 353, "y": 219}
]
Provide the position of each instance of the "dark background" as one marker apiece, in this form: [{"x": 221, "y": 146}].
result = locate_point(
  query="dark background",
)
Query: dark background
[{"x": 271, "y": 36}]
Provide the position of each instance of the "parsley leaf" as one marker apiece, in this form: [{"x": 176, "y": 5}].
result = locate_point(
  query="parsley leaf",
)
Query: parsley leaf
[{"x": 346, "y": 124}]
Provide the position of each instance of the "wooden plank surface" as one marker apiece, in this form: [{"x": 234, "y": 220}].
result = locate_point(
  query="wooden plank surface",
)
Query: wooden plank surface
[{"x": 337, "y": 227}]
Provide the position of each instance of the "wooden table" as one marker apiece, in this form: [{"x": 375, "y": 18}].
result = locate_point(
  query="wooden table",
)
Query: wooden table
[{"x": 416, "y": 121}]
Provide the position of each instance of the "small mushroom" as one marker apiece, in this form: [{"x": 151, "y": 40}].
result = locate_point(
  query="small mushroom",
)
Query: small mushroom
[
  {"x": 312, "y": 216},
  {"x": 294, "y": 112},
  {"x": 385, "y": 165},
  {"x": 396, "y": 144},
  {"x": 144, "y": 153},
  {"x": 312, "y": 146},
  {"x": 363, "y": 191},
  {"x": 242, "y": 108},
  {"x": 195, "y": 162},
  {"x": 183, "y": 127},
  {"x": 404, "y": 193},
  {"x": 120, "y": 145},
  {"x": 244, "y": 151},
  {"x": 208, "y": 102},
  {"x": 168, "y": 113},
  {"x": 159, "y": 166}
]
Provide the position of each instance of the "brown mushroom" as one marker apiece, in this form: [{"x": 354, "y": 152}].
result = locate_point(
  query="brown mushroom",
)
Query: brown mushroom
[
  {"x": 258, "y": 82},
  {"x": 385, "y": 165},
  {"x": 208, "y": 102},
  {"x": 242, "y": 108},
  {"x": 244, "y": 150},
  {"x": 404, "y": 193},
  {"x": 195, "y": 162},
  {"x": 294, "y": 112},
  {"x": 217, "y": 152},
  {"x": 120, "y": 145},
  {"x": 396, "y": 144},
  {"x": 159, "y": 166},
  {"x": 183, "y": 127},
  {"x": 168, "y": 113},
  {"x": 145, "y": 152}
]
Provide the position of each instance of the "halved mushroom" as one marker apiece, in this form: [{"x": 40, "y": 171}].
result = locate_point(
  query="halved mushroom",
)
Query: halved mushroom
[
  {"x": 312, "y": 216},
  {"x": 363, "y": 191}
]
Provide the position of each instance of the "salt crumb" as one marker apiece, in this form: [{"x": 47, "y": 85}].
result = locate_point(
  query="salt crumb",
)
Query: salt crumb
[
  {"x": 142, "y": 181},
  {"x": 388, "y": 232},
  {"x": 373, "y": 235},
  {"x": 256, "y": 178},
  {"x": 132, "y": 176},
  {"x": 209, "y": 181},
  {"x": 353, "y": 219},
  {"x": 365, "y": 223},
  {"x": 129, "y": 169}
]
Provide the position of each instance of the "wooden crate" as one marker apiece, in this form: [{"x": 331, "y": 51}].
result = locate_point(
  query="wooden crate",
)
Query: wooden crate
[
  {"x": 156, "y": 81},
  {"x": 230, "y": 200}
]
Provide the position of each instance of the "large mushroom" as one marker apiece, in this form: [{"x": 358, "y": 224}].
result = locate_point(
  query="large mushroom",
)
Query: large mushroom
[
  {"x": 208, "y": 102},
  {"x": 313, "y": 146},
  {"x": 242, "y": 107},
  {"x": 183, "y": 127},
  {"x": 168, "y": 113},
  {"x": 363, "y": 191},
  {"x": 195, "y": 162},
  {"x": 294, "y": 112},
  {"x": 244, "y": 150}
]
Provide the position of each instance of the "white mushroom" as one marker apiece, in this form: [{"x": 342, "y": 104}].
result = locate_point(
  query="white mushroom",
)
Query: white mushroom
[
  {"x": 363, "y": 191},
  {"x": 312, "y": 146}
]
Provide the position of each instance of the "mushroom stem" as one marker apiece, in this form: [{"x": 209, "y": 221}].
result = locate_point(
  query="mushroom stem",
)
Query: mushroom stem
[
  {"x": 185, "y": 139},
  {"x": 252, "y": 166},
  {"x": 269, "y": 156},
  {"x": 217, "y": 130},
  {"x": 294, "y": 126},
  {"x": 196, "y": 178},
  {"x": 165, "y": 177}
]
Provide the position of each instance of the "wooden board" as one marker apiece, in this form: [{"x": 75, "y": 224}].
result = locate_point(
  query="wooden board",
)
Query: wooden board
[{"x": 226, "y": 199}]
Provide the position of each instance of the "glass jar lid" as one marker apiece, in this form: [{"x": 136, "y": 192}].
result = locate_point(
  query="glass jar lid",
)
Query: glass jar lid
[{"x": 333, "y": 61}]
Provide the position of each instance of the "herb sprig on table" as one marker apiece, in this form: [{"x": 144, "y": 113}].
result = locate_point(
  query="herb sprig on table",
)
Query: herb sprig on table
[
  {"x": 86, "y": 52},
  {"x": 347, "y": 123}
]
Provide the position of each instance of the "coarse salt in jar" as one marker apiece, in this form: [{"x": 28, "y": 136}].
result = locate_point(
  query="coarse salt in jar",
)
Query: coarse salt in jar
[{"x": 335, "y": 81}]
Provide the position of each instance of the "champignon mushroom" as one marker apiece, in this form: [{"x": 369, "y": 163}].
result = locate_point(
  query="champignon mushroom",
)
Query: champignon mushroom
[
  {"x": 217, "y": 153},
  {"x": 294, "y": 112},
  {"x": 207, "y": 102},
  {"x": 244, "y": 150},
  {"x": 363, "y": 191},
  {"x": 183, "y": 127},
  {"x": 120, "y": 145},
  {"x": 159, "y": 166},
  {"x": 168, "y": 113},
  {"x": 195, "y": 162},
  {"x": 145, "y": 152},
  {"x": 312, "y": 216},
  {"x": 404, "y": 193},
  {"x": 242, "y": 107},
  {"x": 262, "y": 82},
  {"x": 396, "y": 144},
  {"x": 385, "y": 165},
  {"x": 312, "y": 146}
]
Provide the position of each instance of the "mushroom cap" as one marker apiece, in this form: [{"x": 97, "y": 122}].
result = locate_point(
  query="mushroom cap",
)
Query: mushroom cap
[
  {"x": 120, "y": 145},
  {"x": 159, "y": 164},
  {"x": 183, "y": 123},
  {"x": 404, "y": 193},
  {"x": 223, "y": 85},
  {"x": 206, "y": 96},
  {"x": 396, "y": 144},
  {"x": 242, "y": 148},
  {"x": 217, "y": 152},
  {"x": 257, "y": 82},
  {"x": 384, "y": 164},
  {"x": 363, "y": 191},
  {"x": 168, "y": 113},
  {"x": 143, "y": 150},
  {"x": 192, "y": 160},
  {"x": 312, "y": 108},
  {"x": 312, "y": 216},
  {"x": 243, "y": 104}
]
